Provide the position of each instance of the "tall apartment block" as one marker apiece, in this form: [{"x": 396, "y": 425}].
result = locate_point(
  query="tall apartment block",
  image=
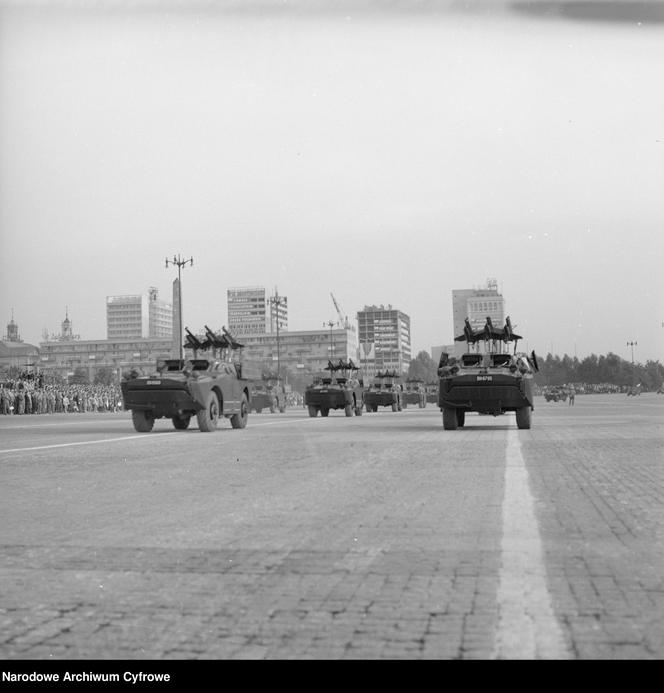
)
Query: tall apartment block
[
  {"x": 138, "y": 316},
  {"x": 476, "y": 304},
  {"x": 251, "y": 311},
  {"x": 384, "y": 337}
]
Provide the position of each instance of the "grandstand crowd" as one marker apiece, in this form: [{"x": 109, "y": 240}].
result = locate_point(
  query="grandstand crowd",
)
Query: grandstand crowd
[{"x": 27, "y": 397}]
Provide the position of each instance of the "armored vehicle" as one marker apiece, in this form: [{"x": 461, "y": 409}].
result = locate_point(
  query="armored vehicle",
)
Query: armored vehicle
[
  {"x": 432, "y": 393},
  {"x": 384, "y": 391},
  {"x": 338, "y": 388},
  {"x": 208, "y": 388},
  {"x": 414, "y": 393},
  {"x": 268, "y": 393},
  {"x": 488, "y": 379}
]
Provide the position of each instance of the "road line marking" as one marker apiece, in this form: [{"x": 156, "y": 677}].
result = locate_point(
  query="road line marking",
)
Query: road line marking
[
  {"x": 88, "y": 442},
  {"x": 527, "y": 625}
]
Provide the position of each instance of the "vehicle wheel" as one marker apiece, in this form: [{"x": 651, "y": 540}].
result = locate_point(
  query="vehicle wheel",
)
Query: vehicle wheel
[
  {"x": 208, "y": 417},
  {"x": 143, "y": 420},
  {"x": 181, "y": 422},
  {"x": 461, "y": 417},
  {"x": 369, "y": 408},
  {"x": 405, "y": 405},
  {"x": 523, "y": 417},
  {"x": 324, "y": 412},
  {"x": 313, "y": 412},
  {"x": 282, "y": 409},
  {"x": 349, "y": 410},
  {"x": 258, "y": 411},
  {"x": 271, "y": 410},
  {"x": 450, "y": 422},
  {"x": 399, "y": 406},
  {"x": 240, "y": 420},
  {"x": 358, "y": 411},
  {"x": 394, "y": 406}
]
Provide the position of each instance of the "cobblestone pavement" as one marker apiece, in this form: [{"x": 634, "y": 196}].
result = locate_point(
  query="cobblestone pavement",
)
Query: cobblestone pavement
[{"x": 381, "y": 536}]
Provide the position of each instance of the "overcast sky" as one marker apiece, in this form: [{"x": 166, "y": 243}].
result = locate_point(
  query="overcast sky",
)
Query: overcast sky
[{"x": 387, "y": 152}]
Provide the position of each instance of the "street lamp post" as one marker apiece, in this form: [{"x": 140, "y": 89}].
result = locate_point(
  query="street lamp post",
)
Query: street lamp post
[
  {"x": 331, "y": 324},
  {"x": 277, "y": 301},
  {"x": 632, "y": 345},
  {"x": 180, "y": 262}
]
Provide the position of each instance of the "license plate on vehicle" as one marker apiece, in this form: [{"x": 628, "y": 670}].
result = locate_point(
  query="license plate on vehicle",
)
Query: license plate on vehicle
[{"x": 153, "y": 382}]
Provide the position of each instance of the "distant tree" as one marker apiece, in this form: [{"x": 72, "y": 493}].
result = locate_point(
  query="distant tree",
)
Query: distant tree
[
  {"x": 104, "y": 376},
  {"x": 423, "y": 367}
]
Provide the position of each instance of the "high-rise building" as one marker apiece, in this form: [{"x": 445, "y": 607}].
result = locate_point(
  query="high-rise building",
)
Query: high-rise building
[
  {"x": 251, "y": 311},
  {"x": 384, "y": 337},
  {"x": 138, "y": 316},
  {"x": 476, "y": 304}
]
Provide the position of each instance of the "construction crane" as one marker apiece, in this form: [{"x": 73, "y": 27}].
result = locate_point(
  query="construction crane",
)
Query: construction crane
[{"x": 343, "y": 319}]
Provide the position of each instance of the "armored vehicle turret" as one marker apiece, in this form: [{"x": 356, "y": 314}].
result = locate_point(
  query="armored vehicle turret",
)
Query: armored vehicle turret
[
  {"x": 338, "y": 388},
  {"x": 487, "y": 379}
]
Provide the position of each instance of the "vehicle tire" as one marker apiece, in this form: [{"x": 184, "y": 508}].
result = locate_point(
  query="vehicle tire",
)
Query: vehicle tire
[
  {"x": 208, "y": 417},
  {"x": 461, "y": 417},
  {"x": 282, "y": 409},
  {"x": 405, "y": 405},
  {"x": 259, "y": 410},
  {"x": 272, "y": 410},
  {"x": 181, "y": 422},
  {"x": 348, "y": 409},
  {"x": 313, "y": 412},
  {"x": 240, "y": 420},
  {"x": 368, "y": 407},
  {"x": 450, "y": 422},
  {"x": 399, "y": 406},
  {"x": 324, "y": 412},
  {"x": 143, "y": 420},
  {"x": 394, "y": 406},
  {"x": 358, "y": 410},
  {"x": 523, "y": 417}
]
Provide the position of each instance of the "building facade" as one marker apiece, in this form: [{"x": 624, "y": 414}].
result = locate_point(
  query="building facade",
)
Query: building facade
[
  {"x": 476, "y": 304},
  {"x": 60, "y": 359},
  {"x": 16, "y": 356},
  {"x": 138, "y": 316},
  {"x": 384, "y": 339},
  {"x": 252, "y": 312}
]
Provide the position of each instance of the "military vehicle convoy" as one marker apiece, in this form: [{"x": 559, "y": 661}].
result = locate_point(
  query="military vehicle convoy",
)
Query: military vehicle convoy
[
  {"x": 414, "y": 393},
  {"x": 385, "y": 391},
  {"x": 487, "y": 379},
  {"x": 268, "y": 393},
  {"x": 338, "y": 388},
  {"x": 208, "y": 388}
]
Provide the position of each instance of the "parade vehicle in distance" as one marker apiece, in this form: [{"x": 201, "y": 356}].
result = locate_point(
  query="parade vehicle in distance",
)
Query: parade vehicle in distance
[
  {"x": 487, "y": 379},
  {"x": 268, "y": 393},
  {"x": 414, "y": 393},
  {"x": 179, "y": 389},
  {"x": 385, "y": 391},
  {"x": 432, "y": 393},
  {"x": 634, "y": 390},
  {"x": 555, "y": 394},
  {"x": 341, "y": 388}
]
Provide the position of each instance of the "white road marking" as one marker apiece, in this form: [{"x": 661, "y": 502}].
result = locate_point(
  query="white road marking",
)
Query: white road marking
[
  {"x": 527, "y": 625},
  {"x": 87, "y": 442},
  {"x": 141, "y": 436}
]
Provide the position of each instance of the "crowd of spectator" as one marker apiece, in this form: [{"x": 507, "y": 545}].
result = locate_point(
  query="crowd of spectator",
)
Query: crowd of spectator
[
  {"x": 26, "y": 397},
  {"x": 589, "y": 388}
]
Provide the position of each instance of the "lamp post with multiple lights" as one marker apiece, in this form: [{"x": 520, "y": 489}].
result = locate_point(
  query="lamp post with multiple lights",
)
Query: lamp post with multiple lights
[{"x": 180, "y": 263}]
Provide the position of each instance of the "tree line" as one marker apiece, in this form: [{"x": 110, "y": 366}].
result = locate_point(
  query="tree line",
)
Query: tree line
[{"x": 554, "y": 370}]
